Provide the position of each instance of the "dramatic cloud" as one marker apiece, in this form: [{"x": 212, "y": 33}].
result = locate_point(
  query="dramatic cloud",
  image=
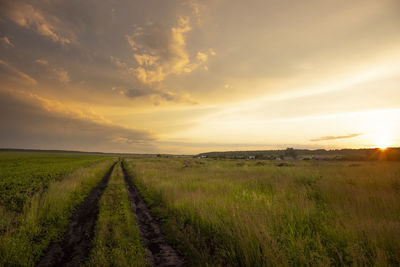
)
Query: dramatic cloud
[
  {"x": 9, "y": 73},
  {"x": 205, "y": 72},
  {"x": 31, "y": 121},
  {"x": 161, "y": 51},
  {"x": 31, "y": 17},
  {"x": 326, "y": 138}
]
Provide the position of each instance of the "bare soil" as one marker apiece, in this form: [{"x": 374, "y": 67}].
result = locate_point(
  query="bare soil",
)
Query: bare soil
[
  {"x": 74, "y": 249},
  {"x": 158, "y": 250}
]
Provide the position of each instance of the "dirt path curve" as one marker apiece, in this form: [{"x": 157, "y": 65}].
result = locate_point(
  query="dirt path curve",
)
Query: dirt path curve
[
  {"x": 158, "y": 251},
  {"x": 75, "y": 247}
]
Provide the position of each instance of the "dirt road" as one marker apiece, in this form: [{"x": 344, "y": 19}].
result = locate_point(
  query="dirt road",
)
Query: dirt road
[
  {"x": 74, "y": 249},
  {"x": 158, "y": 250}
]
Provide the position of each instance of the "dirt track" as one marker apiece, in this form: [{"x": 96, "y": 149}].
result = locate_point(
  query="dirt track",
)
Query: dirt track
[
  {"x": 158, "y": 251},
  {"x": 75, "y": 247}
]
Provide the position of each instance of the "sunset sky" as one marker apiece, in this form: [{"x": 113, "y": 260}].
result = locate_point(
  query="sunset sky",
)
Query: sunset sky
[{"x": 194, "y": 76}]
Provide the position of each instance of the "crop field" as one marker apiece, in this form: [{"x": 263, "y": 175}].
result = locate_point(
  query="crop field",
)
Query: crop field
[
  {"x": 38, "y": 193},
  {"x": 62, "y": 209},
  {"x": 22, "y": 174}
]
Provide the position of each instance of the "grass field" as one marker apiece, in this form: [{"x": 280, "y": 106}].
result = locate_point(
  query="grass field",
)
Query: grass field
[
  {"x": 251, "y": 213},
  {"x": 48, "y": 187},
  {"x": 215, "y": 212}
]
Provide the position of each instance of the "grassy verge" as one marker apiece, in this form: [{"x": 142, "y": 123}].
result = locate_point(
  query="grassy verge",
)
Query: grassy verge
[
  {"x": 117, "y": 240},
  {"x": 45, "y": 217},
  {"x": 232, "y": 213}
]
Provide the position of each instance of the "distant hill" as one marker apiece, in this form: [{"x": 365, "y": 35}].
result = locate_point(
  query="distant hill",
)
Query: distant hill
[{"x": 306, "y": 154}]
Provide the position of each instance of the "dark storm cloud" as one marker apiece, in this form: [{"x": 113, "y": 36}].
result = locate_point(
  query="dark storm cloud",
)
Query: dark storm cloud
[{"x": 326, "y": 138}]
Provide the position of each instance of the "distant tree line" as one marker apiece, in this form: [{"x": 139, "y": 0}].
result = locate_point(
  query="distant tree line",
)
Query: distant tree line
[{"x": 392, "y": 154}]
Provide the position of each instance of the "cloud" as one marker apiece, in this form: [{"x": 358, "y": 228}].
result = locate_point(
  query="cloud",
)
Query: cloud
[
  {"x": 156, "y": 95},
  {"x": 31, "y": 17},
  {"x": 34, "y": 122},
  {"x": 137, "y": 92},
  {"x": 325, "y": 138},
  {"x": 6, "y": 41},
  {"x": 202, "y": 56},
  {"x": 161, "y": 51},
  {"x": 11, "y": 74},
  {"x": 61, "y": 74},
  {"x": 118, "y": 62},
  {"x": 42, "y": 62}
]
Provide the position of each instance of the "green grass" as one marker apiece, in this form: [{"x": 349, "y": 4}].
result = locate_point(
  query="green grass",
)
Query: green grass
[
  {"x": 219, "y": 212},
  {"x": 117, "y": 240},
  {"x": 26, "y": 234},
  {"x": 24, "y": 173}
]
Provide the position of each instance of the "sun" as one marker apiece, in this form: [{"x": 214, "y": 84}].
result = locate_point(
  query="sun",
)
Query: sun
[
  {"x": 380, "y": 129},
  {"x": 382, "y": 141},
  {"x": 382, "y": 147}
]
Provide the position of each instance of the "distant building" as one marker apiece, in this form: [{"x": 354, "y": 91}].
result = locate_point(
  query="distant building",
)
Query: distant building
[
  {"x": 251, "y": 157},
  {"x": 288, "y": 158}
]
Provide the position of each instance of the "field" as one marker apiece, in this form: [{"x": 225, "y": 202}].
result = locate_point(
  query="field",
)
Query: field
[
  {"x": 38, "y": 193},
  {"x": 101, "y": 210},
  {"x": 255, "y": 213}
]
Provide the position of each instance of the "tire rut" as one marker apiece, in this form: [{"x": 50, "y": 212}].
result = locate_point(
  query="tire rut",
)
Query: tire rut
[
  {"x": 159, "y": 251},
  {"x": 74, "y": 249}
]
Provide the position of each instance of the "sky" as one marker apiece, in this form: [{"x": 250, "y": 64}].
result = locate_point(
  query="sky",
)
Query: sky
[{"x": 190, "y": 76}]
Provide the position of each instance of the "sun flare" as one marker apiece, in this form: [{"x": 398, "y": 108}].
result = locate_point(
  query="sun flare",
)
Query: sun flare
[
  {"x": 381, "y": 128},
  {"x": 382, "y": 141}
]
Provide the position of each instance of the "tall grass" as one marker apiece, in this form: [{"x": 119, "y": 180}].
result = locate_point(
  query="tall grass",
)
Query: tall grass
[
  {"x": 117, "y": 240},
  {"x": 314, "y": 213},
  {"x": 45, "y": 217}
]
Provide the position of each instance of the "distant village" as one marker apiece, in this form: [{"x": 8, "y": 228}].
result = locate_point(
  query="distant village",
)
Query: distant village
[{"x": 290, "y": 154}]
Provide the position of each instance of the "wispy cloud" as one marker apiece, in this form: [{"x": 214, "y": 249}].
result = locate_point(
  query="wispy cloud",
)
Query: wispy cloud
[
  {"x": 31, "y": 17},
  {"x": 326, "y": 138},
  {"x": 61, "y": 74},
  {"x": 6, "y": 41},
  {"x": 118, "y": 62},
  {"x": 42, "y": 62},
  {"x": 156, "y": 95},
  {"x": 34, "y": 121},
  {"x": 12, "y": 74}
]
